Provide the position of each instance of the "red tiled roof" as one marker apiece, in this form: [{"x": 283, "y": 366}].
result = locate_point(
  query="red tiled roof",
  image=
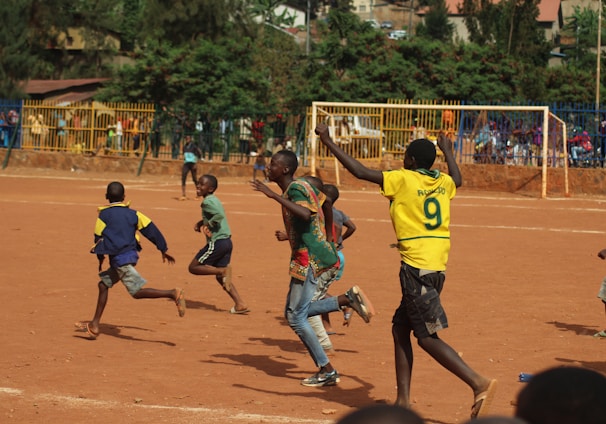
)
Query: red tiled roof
[{"x": 548, "y": 9}]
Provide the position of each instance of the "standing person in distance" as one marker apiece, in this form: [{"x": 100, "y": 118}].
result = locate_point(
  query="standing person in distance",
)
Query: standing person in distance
[
  {"x": 420, "y": 212},
  {"x": 191, "y": 156}
]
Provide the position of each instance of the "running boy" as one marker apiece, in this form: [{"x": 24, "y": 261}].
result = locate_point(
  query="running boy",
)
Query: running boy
[
  {"x": 191, "y": 156},
  {"x": 214, "y": 258},
  {"x": 602, "y": 295},
  {"x": 115, "y": 236},
  {"x": 312, "y": 253},
  {"x": 420, "y": 213},
  {"x": 339, "y": 220}
]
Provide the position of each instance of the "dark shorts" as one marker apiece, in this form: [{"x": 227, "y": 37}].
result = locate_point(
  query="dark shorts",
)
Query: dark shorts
[
  {"x": 420, "y": 308},
  {"x": 216, "y": 253}
]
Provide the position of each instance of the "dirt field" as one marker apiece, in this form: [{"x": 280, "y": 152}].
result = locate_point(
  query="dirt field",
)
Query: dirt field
[{"x": 520, "y": 296}]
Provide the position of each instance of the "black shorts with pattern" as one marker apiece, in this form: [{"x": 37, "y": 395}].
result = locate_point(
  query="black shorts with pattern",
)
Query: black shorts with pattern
[{"x": 420, "y": 309}]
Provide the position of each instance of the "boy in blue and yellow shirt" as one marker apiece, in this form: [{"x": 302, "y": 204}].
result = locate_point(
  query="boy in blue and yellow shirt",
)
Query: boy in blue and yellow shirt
[{"x": 116, "y": 236}]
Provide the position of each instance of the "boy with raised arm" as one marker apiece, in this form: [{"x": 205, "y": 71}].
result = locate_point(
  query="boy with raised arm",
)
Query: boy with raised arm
[{"x": 420, "y": 212}]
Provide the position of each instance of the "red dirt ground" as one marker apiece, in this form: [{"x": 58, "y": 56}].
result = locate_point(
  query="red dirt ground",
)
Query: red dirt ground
[{"x": 520, "y": 296}]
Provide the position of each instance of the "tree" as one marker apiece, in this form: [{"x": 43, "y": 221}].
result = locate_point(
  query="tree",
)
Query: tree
[
  {"x": 213, "y": 76},
  {"x": 436, "y": 26},
  {"x": 30, "y": 26},
  {"x": 185, "y": 20},
  {"x": 511, "y": 25},
  {"x": 582, "y": 27}
]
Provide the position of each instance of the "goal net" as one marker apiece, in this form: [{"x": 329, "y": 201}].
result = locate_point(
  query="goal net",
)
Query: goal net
[{"x": 482, "y": 134}]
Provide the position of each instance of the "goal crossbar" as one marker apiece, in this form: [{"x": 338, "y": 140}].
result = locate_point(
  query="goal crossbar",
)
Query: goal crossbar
[{"x": 322, "y": 108}]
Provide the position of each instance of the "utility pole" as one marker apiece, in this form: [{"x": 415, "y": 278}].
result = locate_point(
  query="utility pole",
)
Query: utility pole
[
  {"x": 598, "y": 62},
  {"x": 412, "y": 9},
  {"x": 308, "y": 39}
]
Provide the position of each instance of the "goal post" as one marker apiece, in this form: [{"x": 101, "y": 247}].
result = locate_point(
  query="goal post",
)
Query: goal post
[{"x": 498, "y": 134}]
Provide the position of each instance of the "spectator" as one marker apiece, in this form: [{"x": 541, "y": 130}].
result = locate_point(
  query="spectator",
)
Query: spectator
[
  {"x": 279, "y": 134},
  {"x": 563, "y": 395},
  {"x": 119, "y": 134},
  {"x": 208, "y": 141},
  {"x": 156, "y": 135},
  {"x": 178, "y": 129},
  {"x": 136, "y": 132},
  {"x": 382, "y": 414},
  {"x": 3, "y": 130},
  {"x": 226, "y": 127},
  {"x": 258, "y": 131},
  {"x": 61, "y": 132},
  {"x": 245, "y": 125},
  {"x": 602, "y": 140},
  {"x": 36, "y": 128}
]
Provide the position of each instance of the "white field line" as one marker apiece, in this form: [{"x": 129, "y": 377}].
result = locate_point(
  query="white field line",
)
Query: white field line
[
  {"x": 377, "y": 220},
  {"x": 208, "y": 413}
]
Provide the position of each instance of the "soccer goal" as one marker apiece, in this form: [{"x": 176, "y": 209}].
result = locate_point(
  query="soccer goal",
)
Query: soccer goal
[{"x": 483, "y": 134}]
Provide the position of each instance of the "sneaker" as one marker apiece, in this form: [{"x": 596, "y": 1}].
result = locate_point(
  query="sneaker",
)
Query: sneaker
[
  {"x": 360, "y": 303},
  {"x": 320, "y": 379}
]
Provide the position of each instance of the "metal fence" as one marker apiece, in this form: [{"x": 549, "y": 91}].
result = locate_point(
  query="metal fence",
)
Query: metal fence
[
  {"x": 130, "y": 129},
  {"x": 481, "y": 133},
  {"x": 490, "y": 136}
]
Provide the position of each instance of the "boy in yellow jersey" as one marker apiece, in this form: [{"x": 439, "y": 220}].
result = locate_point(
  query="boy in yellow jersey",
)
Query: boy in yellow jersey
[{"x": 420, "y": 212}]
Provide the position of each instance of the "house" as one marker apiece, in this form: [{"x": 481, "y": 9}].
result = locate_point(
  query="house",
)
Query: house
[{"x": 550, "y": 18}]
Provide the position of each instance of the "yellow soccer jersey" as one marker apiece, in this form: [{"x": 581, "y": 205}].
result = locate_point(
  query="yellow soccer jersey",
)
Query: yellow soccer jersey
[{"x": 420, "y": 213}]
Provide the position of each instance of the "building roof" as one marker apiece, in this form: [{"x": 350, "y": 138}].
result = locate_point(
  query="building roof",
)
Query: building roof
[
  {"x": 48, "y": 86},
  {"x": 548, "y": 9},
  {"x": 67, "y": 91}
]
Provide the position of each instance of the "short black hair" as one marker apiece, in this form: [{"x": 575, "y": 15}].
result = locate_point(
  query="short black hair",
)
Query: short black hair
[
  {"x": 331, "y": 191},
  {"x": 315, "y": 181},
  {"x": 423, "y": 151},
  {"x": 563, "y": 395},
  {"x": 289, "y": 159},
  {"x": 115, "y": 192},
  {"x": 212, "y": 181},
  {"x": 382, "y": 414}
]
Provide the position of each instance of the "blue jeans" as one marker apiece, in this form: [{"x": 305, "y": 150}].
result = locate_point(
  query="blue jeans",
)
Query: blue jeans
[{"x": 299, "y": 307}]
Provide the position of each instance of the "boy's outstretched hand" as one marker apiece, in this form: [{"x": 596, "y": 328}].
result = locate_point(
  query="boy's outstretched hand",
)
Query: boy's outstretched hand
[
  {"x": 444, "y": 143},
  {"x": 263, "y": 188},
  {"x": 322, "y": 131},
  {"x": 167, "y": 257}
]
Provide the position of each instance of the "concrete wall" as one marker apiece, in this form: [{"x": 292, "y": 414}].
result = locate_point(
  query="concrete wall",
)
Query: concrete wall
[{"x": 513, "y": 179}]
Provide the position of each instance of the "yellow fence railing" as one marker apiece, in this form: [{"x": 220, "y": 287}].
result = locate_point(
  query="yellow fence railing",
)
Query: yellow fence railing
[
  {"x": 115, "y": 128},
  {"x": 371, "y": 132}
]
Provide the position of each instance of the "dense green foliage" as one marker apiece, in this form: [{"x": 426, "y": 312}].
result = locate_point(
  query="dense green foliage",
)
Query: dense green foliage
[{"x": 220, "y": 57}]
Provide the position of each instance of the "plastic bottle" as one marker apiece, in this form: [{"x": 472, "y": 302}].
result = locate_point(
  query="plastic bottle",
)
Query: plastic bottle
[{"x": 525, "y": 377}]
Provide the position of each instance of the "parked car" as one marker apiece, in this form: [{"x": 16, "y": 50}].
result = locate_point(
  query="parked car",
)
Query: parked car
[
  {"x": 398, "y": 34},
  {"x": 387, "y": 25},
  {"x": 373, "y": 23}
]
